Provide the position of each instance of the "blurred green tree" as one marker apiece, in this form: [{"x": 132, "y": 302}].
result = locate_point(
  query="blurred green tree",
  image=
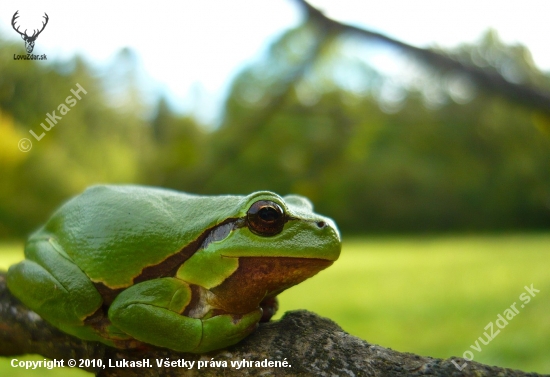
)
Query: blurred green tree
[
  {"x": 444, "y": 156},
  {"x": 92, "y": 143},
  {"x": 430, "y": 153}
]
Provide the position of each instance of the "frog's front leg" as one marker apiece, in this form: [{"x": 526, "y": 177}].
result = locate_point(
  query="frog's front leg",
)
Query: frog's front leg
[
  {"x": 52, "y": 285},
  {"x": 151, "y": 312}
]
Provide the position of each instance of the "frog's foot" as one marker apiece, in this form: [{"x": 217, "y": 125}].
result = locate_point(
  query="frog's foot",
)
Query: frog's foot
[
  {"x": 151, "y": 312},
  {"x": 49, "y": 283},
  {"x": 227, "y": 329},
  {"x": 269, "y": 305}
]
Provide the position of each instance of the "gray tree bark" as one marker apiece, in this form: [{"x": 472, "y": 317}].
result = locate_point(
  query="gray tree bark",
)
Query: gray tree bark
[
  {"x": 525, "y": 94},
  {"x": 303, "y": 344}
]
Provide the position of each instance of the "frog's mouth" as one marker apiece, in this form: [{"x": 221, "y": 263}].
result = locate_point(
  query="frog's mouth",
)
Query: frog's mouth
[{"x": 259, "y": 277}]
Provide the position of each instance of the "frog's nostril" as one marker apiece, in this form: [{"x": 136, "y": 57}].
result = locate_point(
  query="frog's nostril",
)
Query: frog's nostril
[{"x": 321, "y": 224}]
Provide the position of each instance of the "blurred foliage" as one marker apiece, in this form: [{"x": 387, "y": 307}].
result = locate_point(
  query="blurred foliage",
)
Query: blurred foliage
[{"x": 427, "y": 153}]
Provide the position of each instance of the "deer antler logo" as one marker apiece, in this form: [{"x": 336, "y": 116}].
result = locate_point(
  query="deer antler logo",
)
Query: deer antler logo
[{"x": 29, "y": 40}]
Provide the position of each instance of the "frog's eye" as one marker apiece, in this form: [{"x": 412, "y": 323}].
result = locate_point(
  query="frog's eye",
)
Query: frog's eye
[{"x": 265, "y": 218}]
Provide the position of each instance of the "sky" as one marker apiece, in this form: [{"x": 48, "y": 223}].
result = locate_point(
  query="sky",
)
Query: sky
[{"x": 190, "y": 50}]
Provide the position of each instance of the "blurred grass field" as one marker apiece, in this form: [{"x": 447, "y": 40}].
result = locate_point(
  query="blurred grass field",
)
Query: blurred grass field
[
  {"x": 434, "y": 295},
  {"x": 427, "y": 295}
]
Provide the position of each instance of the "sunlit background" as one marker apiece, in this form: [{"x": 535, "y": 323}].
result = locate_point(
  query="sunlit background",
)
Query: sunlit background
[{"x": 440, "y": 188}]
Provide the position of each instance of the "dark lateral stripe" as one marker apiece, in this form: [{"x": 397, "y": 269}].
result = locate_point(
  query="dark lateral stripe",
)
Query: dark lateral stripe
[
  {"x": 108, "y": 294},
  {"x": 168, "y": 267}
]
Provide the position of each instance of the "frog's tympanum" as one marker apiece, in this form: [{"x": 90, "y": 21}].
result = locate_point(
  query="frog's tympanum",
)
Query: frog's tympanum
[{"x": 132, "y": 265}]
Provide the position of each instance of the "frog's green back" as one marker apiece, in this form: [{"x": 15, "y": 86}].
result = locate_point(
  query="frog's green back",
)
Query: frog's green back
[{"x": 113, "y": 232}]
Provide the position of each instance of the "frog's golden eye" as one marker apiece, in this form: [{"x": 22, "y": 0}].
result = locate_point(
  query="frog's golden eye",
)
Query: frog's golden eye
[{"x": 265, "y": 218}]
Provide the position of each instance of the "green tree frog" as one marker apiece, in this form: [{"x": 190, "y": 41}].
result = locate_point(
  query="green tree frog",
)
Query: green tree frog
[{"x": 133, "y": 265}]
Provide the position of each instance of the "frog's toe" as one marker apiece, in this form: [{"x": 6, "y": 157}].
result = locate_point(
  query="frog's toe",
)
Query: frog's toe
[{"x": 225, "y": 330}]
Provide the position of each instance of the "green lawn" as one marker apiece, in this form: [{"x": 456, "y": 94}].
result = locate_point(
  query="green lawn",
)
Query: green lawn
[
  {"x": 434, "y": 295},
  {"x": 428, "y": 295}
]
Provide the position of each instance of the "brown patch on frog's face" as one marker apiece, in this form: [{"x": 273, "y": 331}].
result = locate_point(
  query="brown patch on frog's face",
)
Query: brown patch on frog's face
[{"x": 257, "y": 278}]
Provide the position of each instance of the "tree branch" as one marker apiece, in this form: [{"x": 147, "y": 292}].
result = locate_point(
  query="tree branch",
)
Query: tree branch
[
  {"x": 524, "y": 94},
  {"x": 256, "y": 119},
  {"x": 310, "y": 346}
]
